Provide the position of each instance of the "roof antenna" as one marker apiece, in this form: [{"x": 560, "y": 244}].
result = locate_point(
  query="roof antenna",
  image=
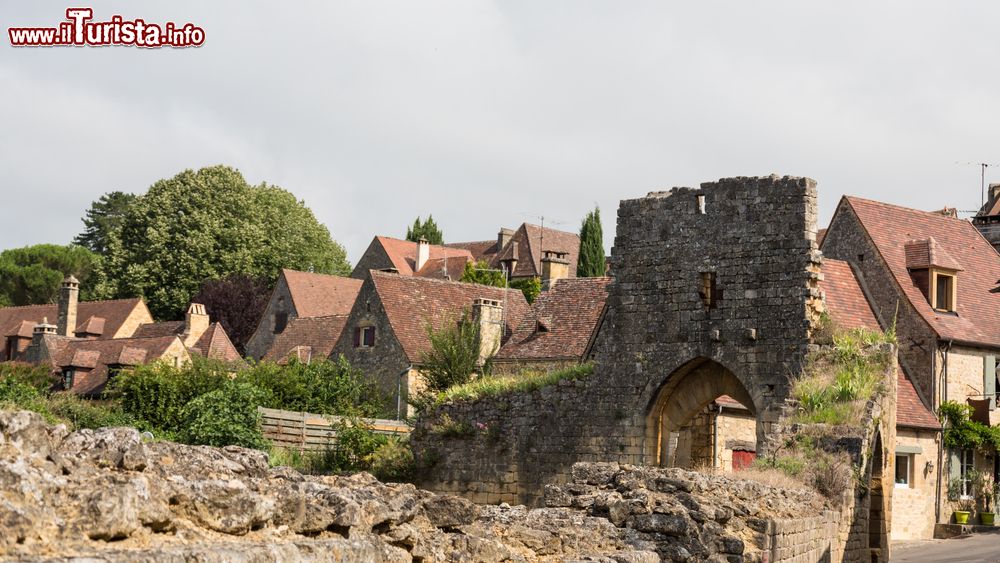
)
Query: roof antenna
[{"x": 982, "y": 179}]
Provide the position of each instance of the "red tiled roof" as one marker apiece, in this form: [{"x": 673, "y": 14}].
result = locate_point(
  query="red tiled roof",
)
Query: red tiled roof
[
  {"x": 925, "y": 253},
  {"x": 480, "y": 249},
  {"x": 910, "y": 410},
  {"x": 727, "y": 401},
  {"x": 403, "y": 254},
  {"x": 411, "y": 303},
  {"x": 215, "y": 344},
  {"x": 113, "y": 312},
  {"x": 561, "y": 323},
  {"x": 99, "y": 354},
  {"x": 23, "y": 329},
  {"x": 443, "y": 269},
  {"x": 92, "y": 325},
  {"x": 318, "y": 334},
  {"x": 890, "y": 227},
  {"x": 320, "y": 295},
  {"x": 164, "y": 328},
  {"x": 845, "y": 302}
]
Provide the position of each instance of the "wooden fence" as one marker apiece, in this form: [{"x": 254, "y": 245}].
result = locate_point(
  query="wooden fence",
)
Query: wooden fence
[{"x": 307, "y": 431}]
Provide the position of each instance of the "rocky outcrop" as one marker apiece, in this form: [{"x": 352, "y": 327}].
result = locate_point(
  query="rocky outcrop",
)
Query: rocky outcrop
[{"x": 109, "y": 495}]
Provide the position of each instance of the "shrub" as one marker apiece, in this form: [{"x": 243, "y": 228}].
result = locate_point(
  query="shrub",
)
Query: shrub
[
  {"x": 392, "y": 461},
  {"x": 36, "y": 376},
  {"x": 225, "y": 416},
  {"x": 522, "y": 382},
  {"x": 322, "y": 387},
  {"x": 453, "y": 357},
  {"x": 81, "y": 413},
  {"x": 156, "y": 394}
]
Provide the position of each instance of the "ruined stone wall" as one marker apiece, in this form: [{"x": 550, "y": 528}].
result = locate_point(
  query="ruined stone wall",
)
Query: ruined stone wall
[{"x": 757, "y": 235}]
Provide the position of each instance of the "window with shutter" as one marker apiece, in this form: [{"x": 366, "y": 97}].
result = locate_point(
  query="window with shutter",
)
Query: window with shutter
[
  {"x": 357, "y": 336},
  {"x": 369, "y": 336},
  {"x": 990, "y": 380}
]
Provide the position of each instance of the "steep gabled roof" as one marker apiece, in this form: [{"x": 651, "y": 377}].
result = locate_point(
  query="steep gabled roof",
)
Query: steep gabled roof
[
  {"x": 403, "y": 255},
  {"x": 845, "y": 302},
  {"x": 320, "y": 295},
  {"x": 561, "y": 322},
  {"x": 890, "y": 227},
  {"x": 317, "y": 335},
  {"x": 533, "y": 240},
  {"x": 413, "y": 303},
  {"x": 162, "y": 328},
  {"x": 215, "y": 344},
  {"x": 114, "y": 312},
  {"x": 910, "y": 410},
  {"x": 480, "y": 249},
  {"x": 927, "y": 253}
]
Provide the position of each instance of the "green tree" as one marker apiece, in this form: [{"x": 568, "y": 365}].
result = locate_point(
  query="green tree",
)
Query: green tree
[
  {"x": 428, "y": 230},
  {"x": 32, "y": 275},
  {"x": 591, "y": 262},
  {"x": 530, "y": 287},
  {"x": 103, "y": 221},
  {"x": 481, "y": 273},
  {"x": 209, "y": 224},
  {"x": 453, "y": 357}
]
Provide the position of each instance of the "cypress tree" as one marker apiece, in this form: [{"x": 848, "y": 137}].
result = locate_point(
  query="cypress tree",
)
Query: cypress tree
[{"x": 591, "y": 262}]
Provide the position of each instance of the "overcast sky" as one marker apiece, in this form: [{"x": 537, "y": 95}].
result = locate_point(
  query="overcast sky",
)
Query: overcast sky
[{"x": 489, "y": 114}]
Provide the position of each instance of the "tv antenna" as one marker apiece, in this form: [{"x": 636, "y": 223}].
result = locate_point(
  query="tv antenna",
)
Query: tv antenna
[
  {"x": 541, "y": 219},
  {"x": 982, "y": 178}
]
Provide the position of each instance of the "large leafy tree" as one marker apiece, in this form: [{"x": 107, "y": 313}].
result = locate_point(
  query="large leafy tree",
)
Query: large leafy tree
[
  {"x": 591, "y": 262},
  {"x": 32, "y": 275},
  {"x": 103, "y": 221},
  {"x": 427, "y": 229},
  {"x": 236, "y": 301},
  {"x": 209, "y": 224}
]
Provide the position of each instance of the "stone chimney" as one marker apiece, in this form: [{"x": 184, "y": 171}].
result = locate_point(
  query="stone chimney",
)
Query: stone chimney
[
  {"x": 38, "y": 351},
  {"x": 488, "y": 315},
  {"x": 423, "y": 253},
  {"x": 555, "y": 266},
  {"x": 195, "y": 324},
  {"x": 503, "y": 237},
  {"x": 69, "y": 294}
]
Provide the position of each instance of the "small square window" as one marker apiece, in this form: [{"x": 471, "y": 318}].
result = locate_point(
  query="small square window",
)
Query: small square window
[
  {"x": 904, "y": 467},
  {"x": 364, "y": 337}
]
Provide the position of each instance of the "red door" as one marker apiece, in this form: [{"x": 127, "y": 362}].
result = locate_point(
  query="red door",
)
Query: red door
[{"x": 742, "y": 460}]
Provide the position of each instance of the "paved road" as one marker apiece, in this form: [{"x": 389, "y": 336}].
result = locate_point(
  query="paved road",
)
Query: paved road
[{"x": 979, "y": 548}]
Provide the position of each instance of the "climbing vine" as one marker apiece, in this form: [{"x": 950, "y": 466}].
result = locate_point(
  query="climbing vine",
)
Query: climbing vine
[{"x": 960, "y": 431}]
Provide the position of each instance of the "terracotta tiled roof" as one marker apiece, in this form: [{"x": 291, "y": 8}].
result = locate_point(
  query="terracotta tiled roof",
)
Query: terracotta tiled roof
[
  {"x": 164, "y": 328},
  {"x": 845, "y": 302},
  {"x": 92, "y": 325},
  {"x": 320, "y": 295},
  {"x": 890, "y": 227},
  {"x": 532, "y": 241},
  {"x": 114, "y": 313},
  {"x": 317, "y": 334},
  {"x": 727, "y": 401},
  {"x": 910, "y": 410},
  {"x": 403, "y": 254},
  {"x": 23, "y": 329},
  {"x": 480, "y": 249},
  {"x": 215, "y": 344},
  {"x": 561, "y": 323},
  {"x": 411, "y": 303},
  {"x": 925, "y": 253},
  {"x": 99, "y": 354},
  {"x": 443, "y": 269}
]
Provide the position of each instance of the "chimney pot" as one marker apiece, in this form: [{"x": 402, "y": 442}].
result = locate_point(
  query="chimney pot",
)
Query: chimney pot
[{"x": 423, "y": 253}]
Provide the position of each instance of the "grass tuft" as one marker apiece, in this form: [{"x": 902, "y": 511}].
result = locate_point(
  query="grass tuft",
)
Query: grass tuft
[{"x": 492, "y": 386}]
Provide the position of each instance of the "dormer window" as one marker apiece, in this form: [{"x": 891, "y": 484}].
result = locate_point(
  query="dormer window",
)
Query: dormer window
[
  {"x": 943, "y": 291},
  {"x": 934, "y": 272}
]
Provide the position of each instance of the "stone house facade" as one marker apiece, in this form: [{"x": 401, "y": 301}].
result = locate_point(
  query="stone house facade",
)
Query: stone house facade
[
  {"x": 386, "y": 332},
  {"x": 299, "y": 295},
  {"x": 934, "y": 277}
]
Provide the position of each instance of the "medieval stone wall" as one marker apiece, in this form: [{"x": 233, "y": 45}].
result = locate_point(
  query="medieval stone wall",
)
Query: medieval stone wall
[{"x": 756, "y": 236}]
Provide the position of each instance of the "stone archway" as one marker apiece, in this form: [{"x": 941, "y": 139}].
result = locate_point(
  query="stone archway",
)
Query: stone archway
[{"x": 681, "y": 396}]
